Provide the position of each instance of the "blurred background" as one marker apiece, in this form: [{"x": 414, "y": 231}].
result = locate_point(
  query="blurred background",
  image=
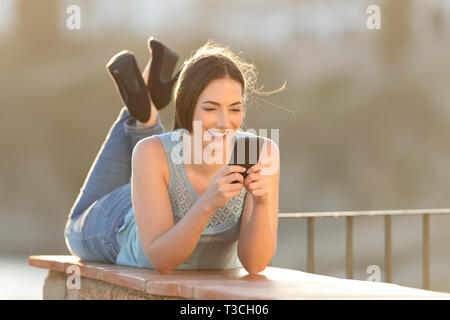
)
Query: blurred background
[{"x": 370, "y": 127}]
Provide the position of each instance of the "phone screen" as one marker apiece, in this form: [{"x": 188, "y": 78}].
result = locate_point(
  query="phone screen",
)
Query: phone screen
[{"x": 246, "y": 152}]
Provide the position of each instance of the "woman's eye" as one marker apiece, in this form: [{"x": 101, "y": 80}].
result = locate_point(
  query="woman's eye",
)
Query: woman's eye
[{"x": 214, "y": 109}]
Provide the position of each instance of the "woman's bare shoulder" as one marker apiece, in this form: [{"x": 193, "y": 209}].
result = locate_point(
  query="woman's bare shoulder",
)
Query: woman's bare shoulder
[{"x": 149, "y": 151}]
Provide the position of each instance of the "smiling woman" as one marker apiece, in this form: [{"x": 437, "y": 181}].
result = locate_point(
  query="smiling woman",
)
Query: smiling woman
[
  {"x": 210, "y": 62},
  {"x": 188, "y": 215}
]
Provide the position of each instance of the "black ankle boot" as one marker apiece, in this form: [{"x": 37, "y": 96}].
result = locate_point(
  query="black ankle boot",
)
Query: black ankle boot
[
  {"x": 160, "y": 81},
  {"x": 130, "y": 84}
]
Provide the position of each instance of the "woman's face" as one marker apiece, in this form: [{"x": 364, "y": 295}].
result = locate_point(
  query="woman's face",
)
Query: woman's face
[{"x": 219, "y": 108}]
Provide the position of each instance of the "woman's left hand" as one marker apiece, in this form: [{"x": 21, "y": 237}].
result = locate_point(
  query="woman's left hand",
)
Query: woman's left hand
[{"x": 257, "y": 184}]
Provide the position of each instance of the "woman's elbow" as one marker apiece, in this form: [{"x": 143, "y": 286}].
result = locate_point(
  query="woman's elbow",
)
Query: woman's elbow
[
  {"x": 254, "y": 269},
  {"x": 158, "y": 265},
  {"x": 163, "y": 271}
]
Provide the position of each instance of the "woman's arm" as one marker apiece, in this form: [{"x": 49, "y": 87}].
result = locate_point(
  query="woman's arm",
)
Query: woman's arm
[
  {"x": 258, "y": 234},
  {"x": 167, "y": 245}
]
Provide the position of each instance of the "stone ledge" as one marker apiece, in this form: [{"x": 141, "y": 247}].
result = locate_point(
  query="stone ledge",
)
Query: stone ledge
[
  {"x": 109, "y": 281},
  {"x": 55, "y": 288}
]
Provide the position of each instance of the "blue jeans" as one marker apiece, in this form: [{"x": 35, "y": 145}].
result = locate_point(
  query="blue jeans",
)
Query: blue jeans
[{"x": 105, "y": 198}]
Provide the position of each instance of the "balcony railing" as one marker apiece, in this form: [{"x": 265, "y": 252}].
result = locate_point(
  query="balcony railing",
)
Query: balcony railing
[{"x": 387, "y": 214}]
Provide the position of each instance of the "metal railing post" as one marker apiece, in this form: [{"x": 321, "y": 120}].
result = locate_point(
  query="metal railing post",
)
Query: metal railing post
[
  {"x": 426, "y": 251},
  {"x": 349, "y": 247},
  {"x": 387, "y": 214},
  {"x": 388, "y": 247},
  {"x": 310, "y": 245}
]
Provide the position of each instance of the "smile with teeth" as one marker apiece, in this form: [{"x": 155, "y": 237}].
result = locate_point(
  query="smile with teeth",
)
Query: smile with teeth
[{"x": 218, "y": 134}]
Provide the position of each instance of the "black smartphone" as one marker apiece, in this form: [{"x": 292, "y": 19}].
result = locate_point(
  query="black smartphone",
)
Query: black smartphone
[{"x": 246, "y": 152}]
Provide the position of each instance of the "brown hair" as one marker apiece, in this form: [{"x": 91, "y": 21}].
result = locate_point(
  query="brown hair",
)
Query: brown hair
[{"x": 211, "y": 61}]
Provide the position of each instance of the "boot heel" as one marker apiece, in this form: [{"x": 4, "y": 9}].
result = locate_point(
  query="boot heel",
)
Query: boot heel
[
  {"x": 130, "y": 84},
  {"x": 160, "y": 81}
]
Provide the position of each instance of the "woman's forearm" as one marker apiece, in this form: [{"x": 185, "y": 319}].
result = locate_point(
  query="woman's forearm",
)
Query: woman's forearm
[
  {"x": 173, "y": 247},
  {"x": 258, "y": 244}
]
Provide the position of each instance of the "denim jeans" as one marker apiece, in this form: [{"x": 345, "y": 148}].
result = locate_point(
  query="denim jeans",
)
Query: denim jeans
[{"x": 105, "y": 198}]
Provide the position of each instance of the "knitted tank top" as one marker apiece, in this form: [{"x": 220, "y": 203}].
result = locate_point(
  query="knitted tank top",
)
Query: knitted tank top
[{"x": 217, "y": 246}]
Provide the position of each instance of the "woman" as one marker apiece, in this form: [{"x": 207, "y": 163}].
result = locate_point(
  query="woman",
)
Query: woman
[{"x": 139, "y": 207}]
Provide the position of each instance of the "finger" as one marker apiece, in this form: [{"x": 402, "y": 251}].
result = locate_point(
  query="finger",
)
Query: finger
[
  {"x": 259, "y": 192},
  {"x": 256, "y": 185},
  {"x": 254, "y": 168},
  {"x": 233, "y": 188},
  {"x": 256, "y": 176},
  {"x": 231, "y": 169},
  {"x": 231, "y": 178},
  {"x": 234, "y": 185}
]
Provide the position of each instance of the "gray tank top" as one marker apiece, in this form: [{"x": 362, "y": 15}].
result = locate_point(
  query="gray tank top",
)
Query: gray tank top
[{"x": 217, "y": 246}]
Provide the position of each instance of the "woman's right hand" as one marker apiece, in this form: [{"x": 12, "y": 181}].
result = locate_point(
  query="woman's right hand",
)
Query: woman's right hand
[{"x": 221, "y": 188}]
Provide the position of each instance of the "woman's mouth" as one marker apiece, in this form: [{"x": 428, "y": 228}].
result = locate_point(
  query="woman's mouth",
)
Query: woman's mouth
[{"x": 216, "y": 134}]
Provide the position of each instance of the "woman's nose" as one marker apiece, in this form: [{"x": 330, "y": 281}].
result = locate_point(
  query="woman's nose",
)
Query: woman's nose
[{"x": 223, "y": 120}]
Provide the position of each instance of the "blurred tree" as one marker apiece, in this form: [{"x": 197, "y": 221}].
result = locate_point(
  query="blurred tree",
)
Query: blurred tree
[
  {"x": 396, "y": 29},
  {"x": 438, "y": 19},
  {"x": 37, "y": 22}
]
